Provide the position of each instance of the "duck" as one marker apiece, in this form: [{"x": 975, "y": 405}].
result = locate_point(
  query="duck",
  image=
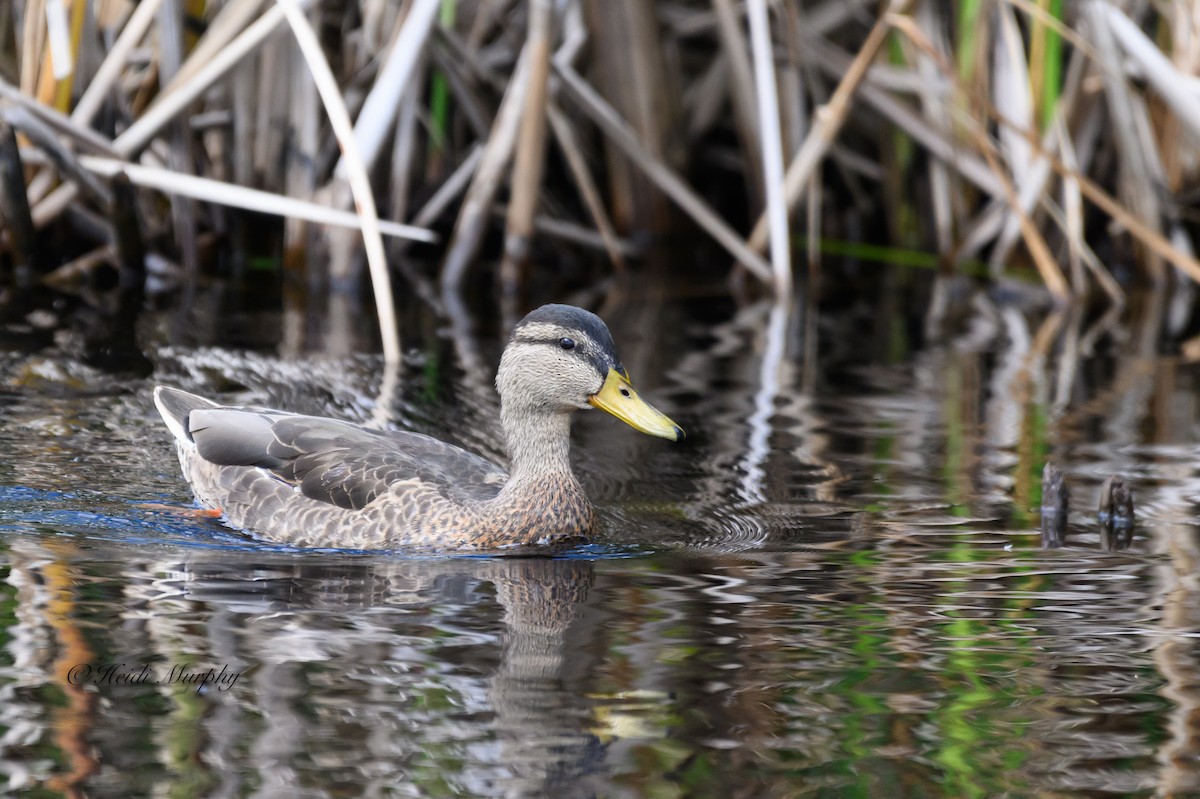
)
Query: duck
[{"x": 310, "y": 481}]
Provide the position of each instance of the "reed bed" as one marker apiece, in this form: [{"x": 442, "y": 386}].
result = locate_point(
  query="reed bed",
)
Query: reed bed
[{"x": 1038, "y": 133}]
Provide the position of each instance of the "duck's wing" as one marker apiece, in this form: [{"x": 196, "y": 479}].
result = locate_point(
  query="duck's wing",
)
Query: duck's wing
[{"x": 334, "y": 461}]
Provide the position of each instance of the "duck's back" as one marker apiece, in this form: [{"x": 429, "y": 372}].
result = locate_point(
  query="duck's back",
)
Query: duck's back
[{"x": 313, "y": 481}]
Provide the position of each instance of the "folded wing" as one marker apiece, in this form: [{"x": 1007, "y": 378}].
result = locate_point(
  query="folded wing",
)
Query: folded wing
[{"x": 329, "y": 460}]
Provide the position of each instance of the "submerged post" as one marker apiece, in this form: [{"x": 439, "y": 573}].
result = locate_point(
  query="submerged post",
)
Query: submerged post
[
  {"x": 14, "y": 203},
  {"x": 1056, "y": 506}
]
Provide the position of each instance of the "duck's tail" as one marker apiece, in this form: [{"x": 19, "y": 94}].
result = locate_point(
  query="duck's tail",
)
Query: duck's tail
[{"x": 175, "y": 406}]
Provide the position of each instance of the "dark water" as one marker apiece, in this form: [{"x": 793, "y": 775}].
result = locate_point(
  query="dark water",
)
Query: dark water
[{"x": 834, "y": 587}]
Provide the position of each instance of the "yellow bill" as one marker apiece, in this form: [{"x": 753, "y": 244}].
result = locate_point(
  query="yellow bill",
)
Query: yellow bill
[{"x": 618, "y": 398}]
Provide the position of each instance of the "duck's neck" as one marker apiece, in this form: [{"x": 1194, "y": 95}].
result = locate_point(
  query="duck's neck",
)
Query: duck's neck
[
  {"x": 539, "y": 444},
  {"x": 542, "y": 501}
]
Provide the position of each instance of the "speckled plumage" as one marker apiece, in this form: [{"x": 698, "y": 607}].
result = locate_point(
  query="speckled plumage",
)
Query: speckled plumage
[{"x": 316, "y": 482}]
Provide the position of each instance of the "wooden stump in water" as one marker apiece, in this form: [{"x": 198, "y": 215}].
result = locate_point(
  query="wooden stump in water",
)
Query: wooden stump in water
[
  {"x": 1056, "y": 506},
  {"x": 127, "y": 230},
  {"x": 15, "y": 214},
  {"x": 1116, "y": 514}
]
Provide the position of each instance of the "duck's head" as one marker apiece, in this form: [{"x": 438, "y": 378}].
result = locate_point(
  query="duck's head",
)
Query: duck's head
[{"x": 561, "y": 358}]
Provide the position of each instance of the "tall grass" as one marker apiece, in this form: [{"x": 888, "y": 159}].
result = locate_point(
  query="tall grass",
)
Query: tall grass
[{"x": 1033, "y": 127}]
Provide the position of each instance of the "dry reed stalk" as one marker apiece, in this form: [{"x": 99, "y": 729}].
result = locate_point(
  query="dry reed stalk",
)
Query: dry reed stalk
[
  {"x": 65, "y": 43},
  {"x": 531, "y": 146},
  {"x": 936, "y": 111},
  {"x": 1176, "y": 88},
  {"x": 1072, "y": 205},
  {"x": 230, "y": 20},
  {"x": 812, "y": 224},
  {"x": 213, "y": 191},
  {"x": 485, "y": 19},
  {"x": 354, "y": 168},
  {"x": 72, "y": 276},
  {"x": 630, "y": 71},
  {"x": 1152, "y": 239},
  {"x": 272, "y": 63},
  {"x": 110, "y": 69},
  {"x": 453, "y": 186},
  {"x": 1148, "y": 116},
  {"x": 377, "y": 116},
  {"x": 847, "y": 163},
  {"x": 792, "y": 80},
  {"x": 742, "y": 93},
  {"x": 575, "y": 35},
  {"x": 1183, "y": 20},
  {"x": 1135, "y": 171},
  {"x": 564, "y": 134},
  {"x": 243, "y": 128},
  {"x": 704, "y": 100},
  {"x": 166, "y": 107},
  {"x": 64, "y": 159},
  {"x": 624, "y": 138},
  {"x": 935, "y": 140},
  {"x": 179, "y": 152},
  {"x": 301, "y": 121},
  {"x": 828, "y": 120},
  {"x": 574, "y": 233},
  {"x": 404, "y": 146},
  {"x": 82, "y": 137},
  {"x": 469, "y": 60},
  {"x": 45, "y": 180},
  {"x": 30, "y": 44},
  {"x": 1039, "y": 15},
  {"x": 473, "y": 216},
  {"x": 1035, "y": 188},
  {"x": 46, "y": 80},
  {"x": 1044, "y": 261},
  {"x": 1013, "y": 96},
  {"x": 772, "y": 147}
]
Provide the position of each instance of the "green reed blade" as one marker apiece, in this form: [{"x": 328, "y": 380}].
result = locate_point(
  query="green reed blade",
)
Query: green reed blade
[
  {"x": 968, "y": 29},
  {"x": 439, "y": 87},
  {"x": 1052, "y": 65}
]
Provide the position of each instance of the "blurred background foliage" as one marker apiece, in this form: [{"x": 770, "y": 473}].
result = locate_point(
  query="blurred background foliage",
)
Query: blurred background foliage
[{"x": 520, "y": 139}]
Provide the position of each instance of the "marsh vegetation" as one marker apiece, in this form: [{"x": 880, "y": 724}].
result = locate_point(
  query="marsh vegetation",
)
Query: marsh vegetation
[{"x": 498, "y": 141}]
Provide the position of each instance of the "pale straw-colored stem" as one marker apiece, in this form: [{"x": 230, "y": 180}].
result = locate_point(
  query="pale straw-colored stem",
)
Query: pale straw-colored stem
[
  {"x": 356, "y": 173},
  {"x": 772, "y": 146}
]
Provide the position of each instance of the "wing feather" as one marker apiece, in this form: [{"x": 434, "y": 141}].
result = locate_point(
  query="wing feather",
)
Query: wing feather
[{"x": 339, "y": 462}]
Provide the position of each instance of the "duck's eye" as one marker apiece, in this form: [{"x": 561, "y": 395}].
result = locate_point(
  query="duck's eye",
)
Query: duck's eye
[{"x": 566, "y": 343}]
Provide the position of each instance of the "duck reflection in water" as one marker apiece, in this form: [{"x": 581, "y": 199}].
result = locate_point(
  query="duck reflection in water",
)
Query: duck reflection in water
[{"x": 388, "y": 668}]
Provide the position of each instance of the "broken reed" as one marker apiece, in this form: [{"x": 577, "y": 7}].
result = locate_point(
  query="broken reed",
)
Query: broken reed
[{"x": 1014, "y": 131}]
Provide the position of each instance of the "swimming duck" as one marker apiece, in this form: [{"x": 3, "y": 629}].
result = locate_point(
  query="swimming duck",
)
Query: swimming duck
[{"x": 316, "y": 482}]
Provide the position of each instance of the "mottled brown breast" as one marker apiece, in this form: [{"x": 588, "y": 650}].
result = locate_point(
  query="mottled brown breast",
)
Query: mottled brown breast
[{"x": 540, "y": 510}]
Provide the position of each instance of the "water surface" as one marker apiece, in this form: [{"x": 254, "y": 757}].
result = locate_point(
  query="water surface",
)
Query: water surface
[{"x": 833, "y": 587}]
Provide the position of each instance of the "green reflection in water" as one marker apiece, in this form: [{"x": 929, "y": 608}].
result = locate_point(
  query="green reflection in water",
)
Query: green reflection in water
[
  {"x": 1034, "y": 448},
  {"x": 955, "y": 469},
  {"x": 8, "y": 612},
  {"x": 966, "y": 721},
  {"x": 185, "y": 742},
  {"x": 962, "y": 720}
]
